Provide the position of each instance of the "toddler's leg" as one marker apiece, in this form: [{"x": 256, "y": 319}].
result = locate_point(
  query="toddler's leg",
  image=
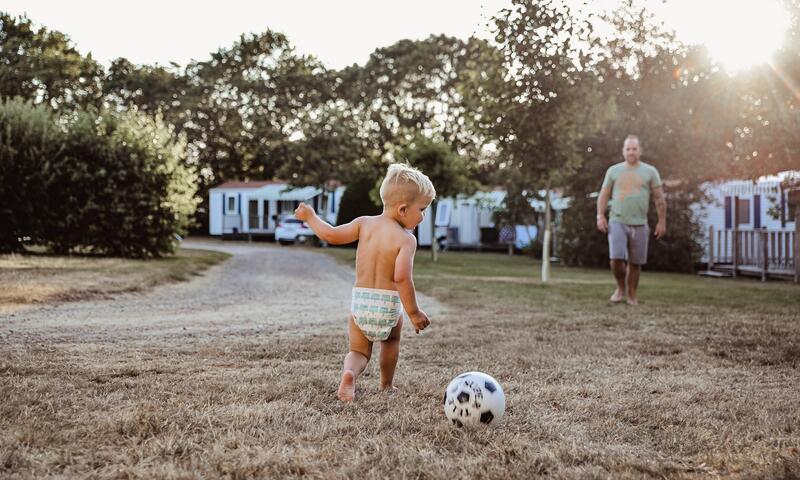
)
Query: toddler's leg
[
  {"x": 390, "y": 353},
  {"x": 354, "y": 363}
]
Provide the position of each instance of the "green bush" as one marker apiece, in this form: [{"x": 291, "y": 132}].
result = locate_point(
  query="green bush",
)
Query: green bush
[
  {"x": 30, "y": 142},
  {"x": 356, "y": 200},
  {"x": 112, "y": 184},
  {"x": 582, "y": 244}
]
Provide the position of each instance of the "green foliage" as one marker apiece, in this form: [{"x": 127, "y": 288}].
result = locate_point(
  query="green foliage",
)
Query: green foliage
[
  {"x": 130, "y": 191},
  {"x": 356, "y": 201},
  {"x": 110, "y": 184},
  {"x": 151, "y": 89},
  {"x": 44, "y": 67},
  {"x": 331, "y": 149},
  {"x": 447, "y": 170},
  {"x": 581, "y": 244},
  {"x": 544, "y": 102},
  {"x": 30, "y": 141}
]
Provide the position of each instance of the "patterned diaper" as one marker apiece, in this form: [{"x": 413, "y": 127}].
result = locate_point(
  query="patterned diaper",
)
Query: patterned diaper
[{"x": 376, "y": 312}]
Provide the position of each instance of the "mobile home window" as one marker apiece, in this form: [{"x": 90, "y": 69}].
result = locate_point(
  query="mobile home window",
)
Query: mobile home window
[
  {"x": 231, "y": 204},
  {"x": 744, "y": 211}
]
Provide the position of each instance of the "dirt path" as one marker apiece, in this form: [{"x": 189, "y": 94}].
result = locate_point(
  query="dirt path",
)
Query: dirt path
[{"x": 261, "y": 289}]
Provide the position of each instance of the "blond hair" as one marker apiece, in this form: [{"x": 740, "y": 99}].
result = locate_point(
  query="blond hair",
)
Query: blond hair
[{"x": 404, "y": 183}]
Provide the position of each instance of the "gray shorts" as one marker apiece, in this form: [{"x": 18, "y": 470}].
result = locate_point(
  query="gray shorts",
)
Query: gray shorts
[{"x": 628, "y": 242}]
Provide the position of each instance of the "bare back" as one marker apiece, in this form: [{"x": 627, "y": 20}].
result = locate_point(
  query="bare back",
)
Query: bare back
[{"x": 379, "y": 242}]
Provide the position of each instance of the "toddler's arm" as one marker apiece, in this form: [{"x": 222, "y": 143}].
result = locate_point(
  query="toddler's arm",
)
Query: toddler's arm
[
  {"x": 403, "y": 267},
  {"x": 339, "y": 235}
]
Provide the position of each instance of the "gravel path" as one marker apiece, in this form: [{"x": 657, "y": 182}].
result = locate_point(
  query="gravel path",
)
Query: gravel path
[{"x": 261, "y": 289}]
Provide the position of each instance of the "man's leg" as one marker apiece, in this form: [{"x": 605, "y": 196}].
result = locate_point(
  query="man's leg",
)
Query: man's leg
[
  {"x": 633, "y": 282},
  {"x": 617, "y": 252},
  {"x": 390, "y": 353},
  {"x": 618, "y": 268},
  {"x": 354, "y": 362},
  {"x": 639, "y": 240}
]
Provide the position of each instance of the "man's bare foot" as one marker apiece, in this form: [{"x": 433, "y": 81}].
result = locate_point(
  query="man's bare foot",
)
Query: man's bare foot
[
  {"x": 347, "y": 389},
  {"x": 633, "y": 301},
  {"x": 388, "y": 389},
  {"x": 617, "y": 297}
]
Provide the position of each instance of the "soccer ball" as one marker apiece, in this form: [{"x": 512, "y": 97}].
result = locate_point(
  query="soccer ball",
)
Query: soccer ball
[{"x": 474, "y": 398}]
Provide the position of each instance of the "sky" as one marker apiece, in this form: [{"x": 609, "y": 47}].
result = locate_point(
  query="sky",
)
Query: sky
[{"x": 344, "y": 32}]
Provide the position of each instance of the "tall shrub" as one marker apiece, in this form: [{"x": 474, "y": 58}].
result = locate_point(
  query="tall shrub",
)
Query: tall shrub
[
  {"x": 30, "y": 143},
  {"x": 123, "y": 186}
]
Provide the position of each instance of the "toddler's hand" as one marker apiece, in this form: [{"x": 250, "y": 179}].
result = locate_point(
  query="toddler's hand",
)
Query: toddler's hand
[
  {"x": 303, "y": 212},
  {"x": 420, "y": 320}
]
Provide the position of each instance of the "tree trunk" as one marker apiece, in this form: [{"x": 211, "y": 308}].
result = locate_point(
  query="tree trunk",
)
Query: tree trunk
[{"x": 546, "y": 241}]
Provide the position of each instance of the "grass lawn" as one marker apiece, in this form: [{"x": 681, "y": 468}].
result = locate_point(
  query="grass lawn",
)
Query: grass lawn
[
  {"x": 700, "y": 381},
  {"x": 35, "y": 278}
]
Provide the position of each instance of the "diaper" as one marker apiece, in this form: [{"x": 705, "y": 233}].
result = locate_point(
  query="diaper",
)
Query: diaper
[{"x": 375, "y": 312}]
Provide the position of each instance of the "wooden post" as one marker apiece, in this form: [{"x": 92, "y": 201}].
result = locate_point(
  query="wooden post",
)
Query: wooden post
[
  {"x": 434, "y": 243},
  {"x": 797, "y": 238},
  {"x": 710, "y": 248},
  {"x": 735, "y": 235},
  {"x": 546, "y": 240},
  {"x": 764, "y": 254}
]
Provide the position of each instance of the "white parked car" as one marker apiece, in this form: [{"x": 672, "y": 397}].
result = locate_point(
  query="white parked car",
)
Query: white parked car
[{"x": 292, "y": 230}]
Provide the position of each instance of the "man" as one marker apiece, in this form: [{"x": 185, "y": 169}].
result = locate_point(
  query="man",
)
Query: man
[{"x": 629, "y": 184}]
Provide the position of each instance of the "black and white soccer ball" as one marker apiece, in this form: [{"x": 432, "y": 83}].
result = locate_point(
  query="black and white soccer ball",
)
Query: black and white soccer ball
[{"x": 474, "y": 398}]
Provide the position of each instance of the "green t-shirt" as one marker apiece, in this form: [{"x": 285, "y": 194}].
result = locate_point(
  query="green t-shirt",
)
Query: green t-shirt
[{"x": 630, "y": 194}]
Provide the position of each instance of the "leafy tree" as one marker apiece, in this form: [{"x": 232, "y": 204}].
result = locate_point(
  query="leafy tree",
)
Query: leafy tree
[
  {"x": 248, "y": 101},
  {"x": 766, "y": 134},
  {"x": 43, "y": 66},
  {"x": 547, "y": 102},
  {"x": 332, "y": 147},
  {"x": 152, "y": 89},
  {"x": 446, "y": 169},
  {"x": 416, "y": 87},
  {"x": 665, "y": 93}
]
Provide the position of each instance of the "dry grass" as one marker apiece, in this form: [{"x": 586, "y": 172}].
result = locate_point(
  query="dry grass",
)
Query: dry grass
[
  {"x": 40, "y": 278},
  {"x": 701, "y": 381}
]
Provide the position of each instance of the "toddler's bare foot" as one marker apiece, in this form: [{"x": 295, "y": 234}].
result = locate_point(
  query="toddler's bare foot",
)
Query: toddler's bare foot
[
  {"x": 633, "y": 301},
  {"x": 347, "y": 389},
  {"x": 617, "y": 297}
]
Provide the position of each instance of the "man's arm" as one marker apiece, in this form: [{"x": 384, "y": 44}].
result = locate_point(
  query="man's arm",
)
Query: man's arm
[
  {"x": 339, "y": 235},
  {"x": 403, "y": 269},
  {"x": 602, "y": 203},
  {"x": 661, "y": 208}
]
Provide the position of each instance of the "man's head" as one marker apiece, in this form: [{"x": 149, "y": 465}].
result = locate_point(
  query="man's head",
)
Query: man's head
[
  {"x": 406, "y": 193},
  {"x": 631, "y": 149}
]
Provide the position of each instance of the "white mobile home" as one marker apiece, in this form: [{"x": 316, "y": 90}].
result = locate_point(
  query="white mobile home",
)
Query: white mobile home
[
  {"x": 257, "y": 207},
  {"x": 743, "y": 220},
  {"x": 466, "y": 222}
]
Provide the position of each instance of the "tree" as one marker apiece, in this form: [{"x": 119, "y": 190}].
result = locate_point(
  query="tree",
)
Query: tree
[
  {"x": 446, "y": 170},
  {"x": 332, "y": 147},
  {"x": 416, "y": 87},
  {"x": 547, "y": 103},
  {"x": 766, "y": 135},
  {"x": 152, "y": 89},
  {"x": 247, "y": 102},
  {"x": 44, "y": 67}
]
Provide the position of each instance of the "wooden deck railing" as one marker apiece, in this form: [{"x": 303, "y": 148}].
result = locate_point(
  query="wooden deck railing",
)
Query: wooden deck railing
[{"x": 760, "y": 250}]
